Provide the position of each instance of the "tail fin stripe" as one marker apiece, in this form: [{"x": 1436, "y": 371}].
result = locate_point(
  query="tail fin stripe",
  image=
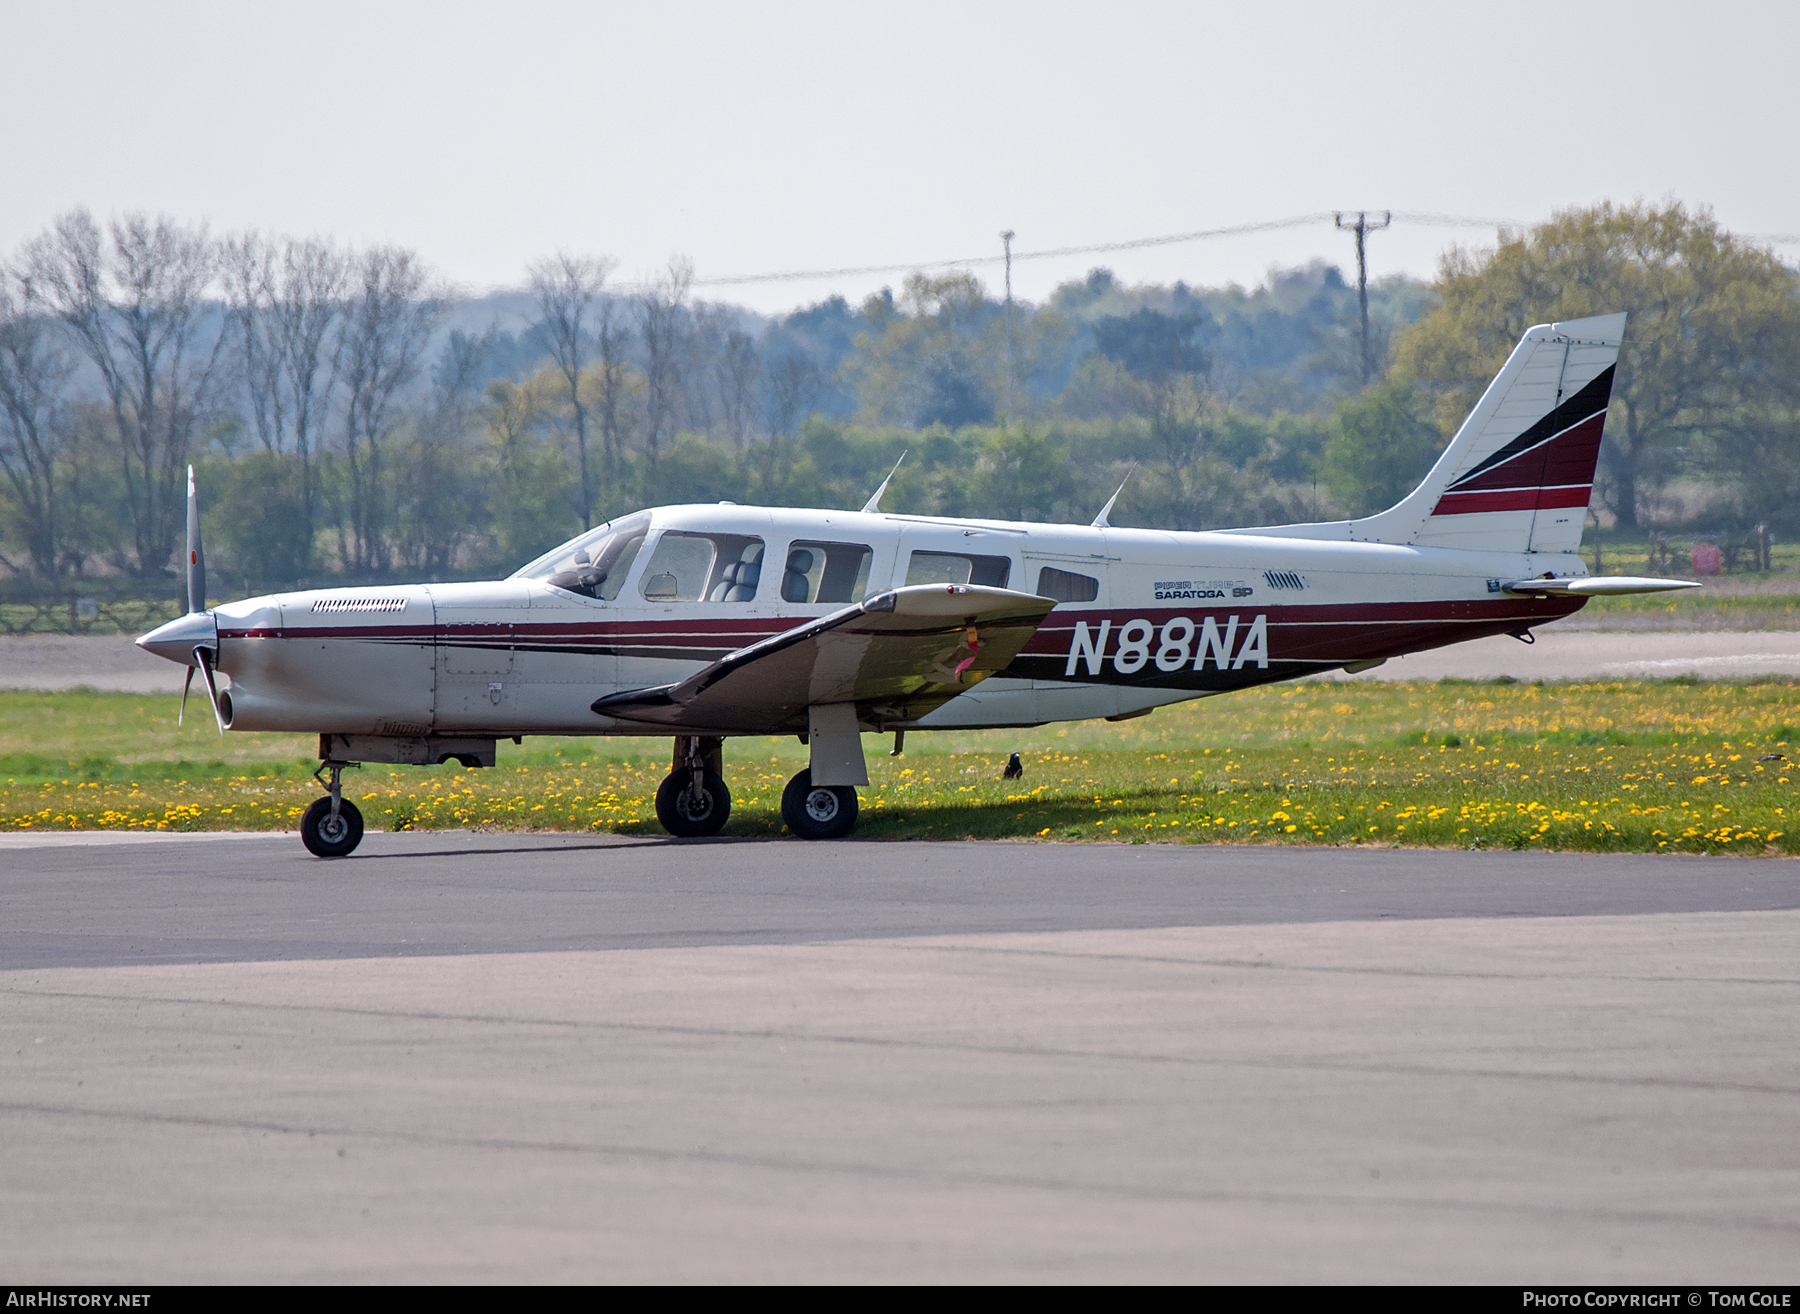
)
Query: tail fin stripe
[
  {"x": 1591, "y": 401},
  {"x": 1566, "y": 458},
  {"x": 1513, "y": 499}
]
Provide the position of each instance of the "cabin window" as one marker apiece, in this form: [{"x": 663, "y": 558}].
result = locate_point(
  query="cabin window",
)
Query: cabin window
[
  {"x": 1066, "y": 585},
  {"x": 596, "y": 564},
  {"x": 695, "y": 567},
  {"x": 826, "y": 572},
  {"x": 958, "y": 568}
]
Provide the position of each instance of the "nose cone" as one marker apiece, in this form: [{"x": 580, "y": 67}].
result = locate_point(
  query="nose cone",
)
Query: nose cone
[{"x": 178, "y": 639}]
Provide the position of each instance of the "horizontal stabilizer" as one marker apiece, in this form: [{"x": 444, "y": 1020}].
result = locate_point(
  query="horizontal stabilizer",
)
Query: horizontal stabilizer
[
  {"x": 896, "y": 657},
  {"x": 1604, "y": 586}
]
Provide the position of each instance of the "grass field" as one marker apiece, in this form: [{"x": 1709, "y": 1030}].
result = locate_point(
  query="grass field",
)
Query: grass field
[{"x": 1674, "y": 765}]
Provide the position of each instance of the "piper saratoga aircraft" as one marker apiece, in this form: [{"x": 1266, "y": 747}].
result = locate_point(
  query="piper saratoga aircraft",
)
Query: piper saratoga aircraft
[{"x": 705, "y": 622}]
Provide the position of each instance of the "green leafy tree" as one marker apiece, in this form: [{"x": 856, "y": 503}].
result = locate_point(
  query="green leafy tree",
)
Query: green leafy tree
[
  {"x": 1383, "y": 442},
  {"x": 534, "y": 497},
  {"x": 923, "y": 363},
  {"x": 1712, "y": 339},
  {"x": 258, "y": 507}
]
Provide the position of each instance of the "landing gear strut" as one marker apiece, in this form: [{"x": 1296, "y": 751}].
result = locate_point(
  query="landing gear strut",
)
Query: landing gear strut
[
  {"x": 692, "y": 800},
  {"x": 332, "y": 826},
  {"x": 818, "y": 811}
]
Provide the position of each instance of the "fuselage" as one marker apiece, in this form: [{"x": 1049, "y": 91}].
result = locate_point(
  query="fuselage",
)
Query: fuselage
[{"x": 1144, "y": 618}]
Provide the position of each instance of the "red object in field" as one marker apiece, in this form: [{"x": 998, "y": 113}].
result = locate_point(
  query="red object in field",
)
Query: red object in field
[{"x": 1706, "y": 558}]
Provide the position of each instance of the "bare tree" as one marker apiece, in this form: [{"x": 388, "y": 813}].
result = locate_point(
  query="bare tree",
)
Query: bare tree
[
  {"x": 247, "y": 274},
  {"x": 284, "y": 300},
  {"x": 660, "y": 312},
  {"x": 441, "y": 496},
  {"x": 795, "y": 384},
  {"x": 135, "y": 305},
  {"x": 738, "y": 367},
  {"x": 33, "y": 419},
  {"x": 700, "y": 343},
  {"x": 566, "y": 287},
  {"x": 389, "y": 320},
  {"x": 611, "y": 337}
]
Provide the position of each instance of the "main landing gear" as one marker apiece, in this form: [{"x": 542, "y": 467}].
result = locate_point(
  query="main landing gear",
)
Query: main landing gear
[
  {"x": 692, "y": 800},
  {"x": 332, "y": 826},
  {"x": 818, "y": 811}
]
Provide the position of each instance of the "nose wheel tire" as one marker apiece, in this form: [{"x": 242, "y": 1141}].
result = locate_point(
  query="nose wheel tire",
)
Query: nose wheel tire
[
  {"x": 686, "y": 817},
  {"x": 818, "y": 811},
  {"x": 329, "y": 837}
]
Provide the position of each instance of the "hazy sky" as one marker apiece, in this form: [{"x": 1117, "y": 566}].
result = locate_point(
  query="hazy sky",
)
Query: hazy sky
[{"x": 764, "y": 137}]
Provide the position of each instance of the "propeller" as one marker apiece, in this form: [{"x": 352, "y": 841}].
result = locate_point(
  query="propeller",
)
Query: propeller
[
  {"x": 204, "y": 657},
  {"x": 196, "y": 571}
]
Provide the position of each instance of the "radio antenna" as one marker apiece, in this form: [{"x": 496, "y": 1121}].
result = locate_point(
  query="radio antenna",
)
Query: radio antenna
[
  {"x": 1105, "y": 511},
  {"x": 874, "y": 502}
]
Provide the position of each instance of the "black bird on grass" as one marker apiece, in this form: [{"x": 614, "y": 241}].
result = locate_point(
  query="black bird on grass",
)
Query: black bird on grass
[{"x": 1015, "y": 769}]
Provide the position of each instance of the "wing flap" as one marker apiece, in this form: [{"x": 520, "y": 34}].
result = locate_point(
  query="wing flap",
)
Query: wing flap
[{"x": 896, "y": 657}]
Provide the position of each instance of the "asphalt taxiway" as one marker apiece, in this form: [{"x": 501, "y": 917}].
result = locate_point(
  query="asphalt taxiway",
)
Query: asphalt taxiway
[{"x": 512, "y": 1057}]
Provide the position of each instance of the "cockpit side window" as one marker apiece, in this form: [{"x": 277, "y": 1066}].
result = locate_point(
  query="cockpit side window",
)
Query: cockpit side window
[
  {"x": 711, "y": 567},
  {"x": 958, "y": 568},
  {"x": 826, "y": 572},
  {"x": 596, "y": 564}
]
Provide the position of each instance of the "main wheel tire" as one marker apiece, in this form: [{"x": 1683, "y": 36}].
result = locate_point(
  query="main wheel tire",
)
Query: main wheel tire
[
  {"x": 818, "y": 811},
  {"x": 325, "y": 838},
  {"x": 675, "y": 805}
]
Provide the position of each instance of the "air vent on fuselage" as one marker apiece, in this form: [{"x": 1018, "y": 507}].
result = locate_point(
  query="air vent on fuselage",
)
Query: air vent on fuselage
[
  {"x": 360, "y": 604},
  {"x": 1283, "y": 579}
]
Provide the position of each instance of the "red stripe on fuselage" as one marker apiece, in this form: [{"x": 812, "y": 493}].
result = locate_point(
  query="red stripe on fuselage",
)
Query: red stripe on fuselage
[{"x": 1327, "y": 633}]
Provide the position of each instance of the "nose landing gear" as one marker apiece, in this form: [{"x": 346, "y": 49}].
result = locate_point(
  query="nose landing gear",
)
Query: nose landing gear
[
  {"x": 692, "y": 800},
  {"x": 333, "y": 826}
]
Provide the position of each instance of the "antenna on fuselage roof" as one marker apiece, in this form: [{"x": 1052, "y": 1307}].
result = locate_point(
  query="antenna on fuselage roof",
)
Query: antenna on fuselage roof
[
  {"x": 1105, "y": 511},
  {"x": 874, "y": 502}
]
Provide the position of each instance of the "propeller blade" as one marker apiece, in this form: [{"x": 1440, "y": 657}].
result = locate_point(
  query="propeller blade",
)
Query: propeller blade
[
  {"x": 185, "y": 686},
  {"x": 203, "y": 656},
  {"x": 196, "y": 569}
]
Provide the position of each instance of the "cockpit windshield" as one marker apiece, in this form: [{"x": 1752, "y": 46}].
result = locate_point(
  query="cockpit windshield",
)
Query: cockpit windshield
[{"x": 596, "y": 564}]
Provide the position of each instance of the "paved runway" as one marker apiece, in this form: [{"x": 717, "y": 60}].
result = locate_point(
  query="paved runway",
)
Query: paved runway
[{"x": 513, "y": 1058}]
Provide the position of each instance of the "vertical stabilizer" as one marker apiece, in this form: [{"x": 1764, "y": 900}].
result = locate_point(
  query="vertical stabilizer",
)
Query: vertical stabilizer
[{"x": 1519, "y": 473}]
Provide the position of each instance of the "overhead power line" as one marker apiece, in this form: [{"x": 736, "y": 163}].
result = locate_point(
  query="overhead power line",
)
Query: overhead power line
[
  {"x": 1410, "y": 218},
  {"x": 1415, "y": 218}
]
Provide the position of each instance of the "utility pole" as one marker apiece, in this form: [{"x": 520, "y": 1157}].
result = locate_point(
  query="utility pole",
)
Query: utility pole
[
  {"x": 1007, "y": 238},
  {"x": 1362, "y": 228}
]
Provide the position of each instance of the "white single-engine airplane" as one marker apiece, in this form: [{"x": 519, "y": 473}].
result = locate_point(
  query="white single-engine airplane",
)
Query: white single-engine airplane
[{"x": 703, "y": 622}]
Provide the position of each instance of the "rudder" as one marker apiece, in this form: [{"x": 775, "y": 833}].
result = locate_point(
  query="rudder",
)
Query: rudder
[{"x": 1520, "y": 472}]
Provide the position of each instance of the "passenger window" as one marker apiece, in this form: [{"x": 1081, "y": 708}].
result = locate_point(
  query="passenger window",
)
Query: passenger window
[
  {"x": 826, "y": 572},
  {"x": 691, "y": 567},
  {"x": 958, "y": 568},
  {"x": 1066, "y": 585}
]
